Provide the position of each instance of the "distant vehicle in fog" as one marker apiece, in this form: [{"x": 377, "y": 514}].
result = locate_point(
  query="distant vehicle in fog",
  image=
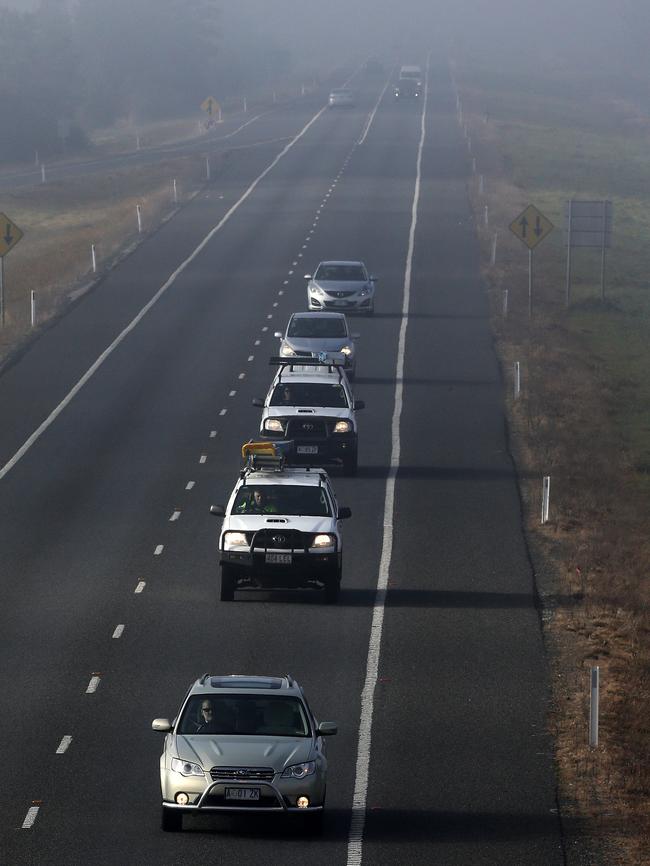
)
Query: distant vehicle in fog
[
  {"x": 341, "y": 98},
  {"x": 411, "y": 73},
  {"x": 407, "y": 88}
]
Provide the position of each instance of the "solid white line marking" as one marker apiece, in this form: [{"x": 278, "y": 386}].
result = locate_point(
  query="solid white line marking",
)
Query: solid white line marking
[
  {"x": 359, "y": 799},
  {"x": 223, "y": 412},
  {"x": 242, "y": 376},
  {"x": 174, "y": 516},
  {"x": 373, "y": 112},
  {"x": 140, "y": 587},
  {"x": 189, "y": 485},
  {"x": 93, "y": 684},
  {"x": 32, "y": 812},
  {"x": 24, "y": 448},
  {"x": 64, "y": 745},
  {"x": 119, "y": 630}
]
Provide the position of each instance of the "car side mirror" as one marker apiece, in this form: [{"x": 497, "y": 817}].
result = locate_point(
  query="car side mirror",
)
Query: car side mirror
[
  {"x": 257, "y": 401},
  {"x": 162, "y": 725},
  {"x": 344, "y": 512},
  {"x": 278, "y": 334},
  {"x": 218, "y": 510},
  {"x": 308, "y": 276},
  {"x": 328, "y": 729},
  {"x": 359, "y": 404}
]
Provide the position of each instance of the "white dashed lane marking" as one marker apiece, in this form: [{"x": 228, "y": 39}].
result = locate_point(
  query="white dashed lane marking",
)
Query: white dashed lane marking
[
  {"x": 140, "y": 587},
  {"x": 190, "y": 485},
  {"x": 213, "y": 434},
  {"x": 175, "y": 516},
  {"x": 119, "y": 630},
  {"x": 242, "y": 376},
  {"x": 256, "y": 343},
  {"x": 265, "y": 328},
  {"x": 251, "y": 357},
  {"x": 223, "y": 412},
  {"x": 30, "y": 817},
  {"x": 159, "y": 549},
  {"x": 203, "y": 458},
  {"x": 63, "y": 745},
  {"x": 232, "y": 394},
  {"x": 93, "y": 684}
]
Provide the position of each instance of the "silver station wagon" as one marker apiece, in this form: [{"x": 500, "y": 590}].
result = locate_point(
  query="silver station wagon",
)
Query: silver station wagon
[{"x": 243, "y": 744}]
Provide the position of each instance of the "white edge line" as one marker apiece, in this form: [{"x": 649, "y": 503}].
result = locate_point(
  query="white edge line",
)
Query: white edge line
[
  {"x": 154, "y": 300},
  {"x": 360, "y": 796}
]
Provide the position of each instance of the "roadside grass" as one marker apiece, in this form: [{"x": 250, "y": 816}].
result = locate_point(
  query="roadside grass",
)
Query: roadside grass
[
  {"x": 583, "y": 418},
  {"x": 61, "y": 221}
]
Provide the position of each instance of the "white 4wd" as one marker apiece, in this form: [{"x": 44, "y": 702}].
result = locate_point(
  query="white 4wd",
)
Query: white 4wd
[{"x": 281, "y": 529}]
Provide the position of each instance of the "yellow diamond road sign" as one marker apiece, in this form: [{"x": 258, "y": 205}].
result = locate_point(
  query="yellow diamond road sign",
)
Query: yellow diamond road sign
[
  {"x": 210, "y": 106},
  {"x": 10, "y": 234},
  {"x": 531, "y": 226}
]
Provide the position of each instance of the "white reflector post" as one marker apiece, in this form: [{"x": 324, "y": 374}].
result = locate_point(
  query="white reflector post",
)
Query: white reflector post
[
  {"x": 485, "y": 215},
  {"x": 138, "y": 212},
  {"x": 517, "y": 380},
  {"x": 593, "y": 706},
  {"x": 33, "y": 308},
  {"x": 505, "y": 303},
  {"x": 546, "y": 497}
]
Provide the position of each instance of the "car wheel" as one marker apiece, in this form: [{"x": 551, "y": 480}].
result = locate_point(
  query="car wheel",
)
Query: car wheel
[
  {"x": 171, "y": 820},
  {"x": 228, "y": 583},
  {"x": 331, "y": 590},
  {"x": 350, "y": 465}
]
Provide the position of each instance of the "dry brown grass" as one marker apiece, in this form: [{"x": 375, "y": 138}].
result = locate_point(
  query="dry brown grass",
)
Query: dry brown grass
[
  {"x": 61, "y": 221},
  {"x": 593, "y": 557}
]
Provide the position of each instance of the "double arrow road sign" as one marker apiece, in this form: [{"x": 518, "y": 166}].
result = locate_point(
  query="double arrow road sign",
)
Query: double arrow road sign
[
  {"x": 10, "y": 234},
  {"x": 531, "y": 226}
]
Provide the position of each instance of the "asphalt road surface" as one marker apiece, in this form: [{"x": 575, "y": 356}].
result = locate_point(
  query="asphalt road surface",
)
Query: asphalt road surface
[{"x": 460, "y": 765}]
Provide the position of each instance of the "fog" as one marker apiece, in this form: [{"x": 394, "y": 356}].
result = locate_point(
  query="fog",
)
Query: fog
[{"x": 76, "y": 64}]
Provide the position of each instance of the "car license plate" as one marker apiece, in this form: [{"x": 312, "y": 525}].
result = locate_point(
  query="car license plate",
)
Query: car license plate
[
  {"x": 278, "y": 558},
  {"x": 307, "y": 449},
  {"x": 242, "y": 793},
  {"x": 341, "y": 303}
]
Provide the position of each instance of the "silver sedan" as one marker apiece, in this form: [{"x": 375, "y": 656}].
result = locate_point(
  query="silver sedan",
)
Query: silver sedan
[
  {"x": 343, "y": 286},
  {"x": 309, "y": 334}
]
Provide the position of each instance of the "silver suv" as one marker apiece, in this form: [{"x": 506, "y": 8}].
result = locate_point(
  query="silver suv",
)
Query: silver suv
[
  {"x": 243, "y": 744},
  {"x": 281, "y": 529}
]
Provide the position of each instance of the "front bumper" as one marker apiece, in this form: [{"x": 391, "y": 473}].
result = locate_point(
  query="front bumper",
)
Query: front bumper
[
  {"x": 275, "y": 796},
  {"x": 330, "y": 449},
  {"x": 353, "y": 302},
  {"x": 304, "y": 566}
]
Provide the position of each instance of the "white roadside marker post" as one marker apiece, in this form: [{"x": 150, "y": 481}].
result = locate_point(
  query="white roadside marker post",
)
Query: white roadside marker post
[
  {"x": 505, "y": 303},
  {"x": 517, "y": 380},
  {"x": 42, "y": 172},
  {"x": 493, "y": 257},
  {"x": 93, "y": 257},
  {"x": 485, "y": 216},
  {"x": 138, "y": 212},
  {"x": 175, "y": 191},
  {"x": 481, "y": 184},
  {"x": 207, "y": 168},
  {"x": 32, "y": 305},
  {"x": 594, "y": 701},
  {"x": 546, "y": 497}
]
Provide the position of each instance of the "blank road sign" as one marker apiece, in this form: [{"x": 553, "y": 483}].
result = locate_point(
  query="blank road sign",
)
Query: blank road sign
[{"x": 592, "y": 223}]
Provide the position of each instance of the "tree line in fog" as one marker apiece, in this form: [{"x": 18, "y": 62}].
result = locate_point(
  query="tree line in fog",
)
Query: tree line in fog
[{"x": 63, "y": 72}]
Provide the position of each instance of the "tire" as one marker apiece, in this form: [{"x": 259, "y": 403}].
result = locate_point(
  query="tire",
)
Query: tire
[
  {"x": 331, "y": 591},
  {"x": 350, "y": 465},
  {"x": 228, "y": 583},
  {"x": 171, "y": 820}
]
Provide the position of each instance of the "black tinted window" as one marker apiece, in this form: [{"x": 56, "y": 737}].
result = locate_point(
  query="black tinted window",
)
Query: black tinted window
[
  {"x": 309, "y": 394},
  {"x": 341, "y": 273},
  {"x": 245, "y": 714},
  {"x": 281, "y": 499},
  {"x": 312, "y": 327}
]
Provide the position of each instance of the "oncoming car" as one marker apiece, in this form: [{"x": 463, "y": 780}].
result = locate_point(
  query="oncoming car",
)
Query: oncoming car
[
  {"x": 243, "y": 744},
  {"x": 309, "y": 334},
  {"x": 311, "y": 406},
  {"x": 341, "y": 97},
  {"x": 341, "y": 285},
  {"x": 281, "y": 528}
]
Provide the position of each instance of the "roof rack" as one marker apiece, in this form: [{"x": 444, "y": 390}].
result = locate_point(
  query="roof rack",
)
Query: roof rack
[
  {"x": 204, "y": 678},
  {"x": 335, "y": 362},
  {"x": 290, "y": 680}
]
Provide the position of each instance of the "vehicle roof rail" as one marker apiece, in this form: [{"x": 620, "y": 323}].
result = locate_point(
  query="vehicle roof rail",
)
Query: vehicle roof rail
[{"x": 204, "y": 678}]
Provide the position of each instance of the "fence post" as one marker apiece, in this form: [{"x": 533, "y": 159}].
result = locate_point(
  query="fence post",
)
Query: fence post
[
  {"x": 93, "y": 257},
  {"x": 33, "y": 307},
  {"x": 138, "y": 211},
  {"x": 594, "y": 701},
  {"x": 546, "y": 497}
]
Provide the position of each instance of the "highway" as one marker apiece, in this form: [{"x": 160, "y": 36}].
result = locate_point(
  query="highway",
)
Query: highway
[{"x": 460, "y": 764}]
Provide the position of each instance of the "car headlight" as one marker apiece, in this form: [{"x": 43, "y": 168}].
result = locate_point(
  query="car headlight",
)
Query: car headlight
[
  {"x": 347, "y": 351},
  {"x": 316, "y": 290},
  {"x": 286, "y": 351},
  {"x": 364, "y": 291},
  {"x": 187, "y": 768},
  {"x": 274, "y": 425},
  {"x": 231, "y": 540},
  {"x": 324, "y": 540},
  {"x": 299, "y": 771},
  {"x": 342, "y": 427}
]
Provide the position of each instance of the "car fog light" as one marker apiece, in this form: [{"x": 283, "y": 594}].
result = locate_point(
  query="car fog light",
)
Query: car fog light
[
  {"x": 182, "y": 798},
  {"x": 302, "y": 802}
]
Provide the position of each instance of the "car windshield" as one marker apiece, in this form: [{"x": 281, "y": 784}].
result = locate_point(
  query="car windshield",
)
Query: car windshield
[
  {"x": 307, "y": 326},
  {"x": 309, "y": 394},
  {"x": 302, "y": 500},
  {"x": 341, "y": 273},
  {"x": 253, "y": 715}
]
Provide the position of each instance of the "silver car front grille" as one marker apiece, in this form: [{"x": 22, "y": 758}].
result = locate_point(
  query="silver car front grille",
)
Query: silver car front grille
[{"x": 243, "y": 774}]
